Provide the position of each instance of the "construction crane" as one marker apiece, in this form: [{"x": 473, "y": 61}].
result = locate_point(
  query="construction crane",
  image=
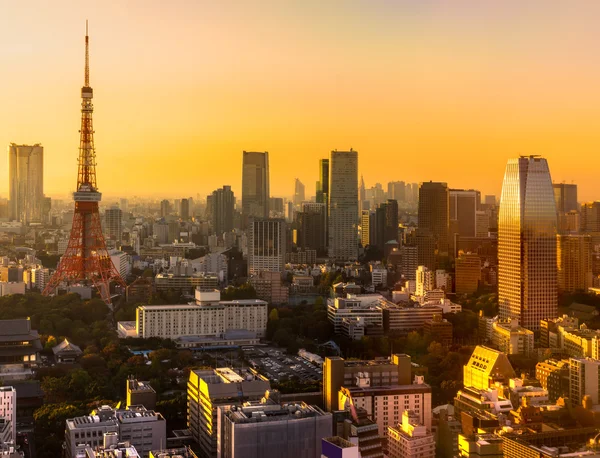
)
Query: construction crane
[{"x": 346, "y": 392}]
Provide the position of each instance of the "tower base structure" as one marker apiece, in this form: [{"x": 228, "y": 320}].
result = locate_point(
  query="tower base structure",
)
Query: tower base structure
[{"x": 86, "y": 259}]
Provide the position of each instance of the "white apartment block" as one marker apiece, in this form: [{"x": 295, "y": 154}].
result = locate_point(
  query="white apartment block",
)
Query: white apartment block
[
  {"x": 121, "y": 261},
  {"x": 339, "y": 309},
  {"x": 386, "y": 404},
  {"x": 584, "y": 375},
  {"x": 425, "y": 281},
  {"x": 512, "y": 339},
  {"x": 209, "y": 316}
]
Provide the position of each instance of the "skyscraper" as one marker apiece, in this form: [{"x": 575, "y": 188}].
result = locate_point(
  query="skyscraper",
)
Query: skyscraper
[
  {"x": 343, "y": 206},
  {"x": 222, "y": 206},
  {"x": 26, "y": 182},
  {"x": 590, "y": 217},
  {"x": 112, "y": 223},
  {"x": 299, "y": 194},
  {"x": 184, "y": 209},
  {"x": 527, "y": 269},
  {"x": 323, "y": 183},
  {"x": 574, "y": 258},
  {"x": 165, "y": 208},
  {"x": 464, "y": 205},
  {"x": 365, "y": 228},
  {"x": 255, "y": 186},
  {"x": 565, "y": 196},
  {"x": 434, "y": 214},
  {"x": 386, "y": 222},
  {"x": 311, "y": 227},
  {"x": 266, "y": 245}
]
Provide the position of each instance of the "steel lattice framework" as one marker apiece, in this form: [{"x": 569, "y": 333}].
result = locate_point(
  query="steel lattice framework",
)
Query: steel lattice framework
[{"x": 86, "y": 259}]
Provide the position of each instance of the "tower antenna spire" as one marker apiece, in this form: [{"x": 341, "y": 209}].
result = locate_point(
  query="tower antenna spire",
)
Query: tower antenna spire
[{"x": 87, "y": 56}]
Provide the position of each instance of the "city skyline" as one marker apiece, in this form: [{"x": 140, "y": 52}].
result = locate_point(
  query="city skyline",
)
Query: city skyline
[{"x": 157, "y": 96}]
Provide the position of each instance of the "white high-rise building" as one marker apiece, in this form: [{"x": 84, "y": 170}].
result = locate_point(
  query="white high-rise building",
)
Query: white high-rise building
[
  {"x": 25, "y": 182},
  {"x": 266, "y": 245},
  {"x": 527, "y": 270},
  {"x": 411, "y": 439},
  {"x": 425, "y": 281},
  {"x": 343, "y": 205},
  {"x": 584, "y": 376},
  {"x": 8, "y": 414}
]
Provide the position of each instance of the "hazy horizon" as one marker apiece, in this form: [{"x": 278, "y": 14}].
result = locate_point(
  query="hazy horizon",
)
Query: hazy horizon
[{"x": 433, "y": 90}]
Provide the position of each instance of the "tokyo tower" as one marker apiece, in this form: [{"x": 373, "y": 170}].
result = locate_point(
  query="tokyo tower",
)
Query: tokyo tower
[{"x": 86, "y": 259}]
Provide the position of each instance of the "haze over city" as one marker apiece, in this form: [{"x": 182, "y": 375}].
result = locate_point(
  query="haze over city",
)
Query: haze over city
[{"x": 428, "y": 90}]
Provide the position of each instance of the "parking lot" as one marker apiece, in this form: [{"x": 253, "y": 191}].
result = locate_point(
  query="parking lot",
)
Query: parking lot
[{"x": 277, "y": 366}]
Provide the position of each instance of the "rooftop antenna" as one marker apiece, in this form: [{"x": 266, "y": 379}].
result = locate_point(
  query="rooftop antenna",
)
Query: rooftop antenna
[{"x": 87, "y": 56}]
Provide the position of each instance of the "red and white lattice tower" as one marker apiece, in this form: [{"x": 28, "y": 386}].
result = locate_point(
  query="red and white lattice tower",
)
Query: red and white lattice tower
[{"x": 86, "y": 259}]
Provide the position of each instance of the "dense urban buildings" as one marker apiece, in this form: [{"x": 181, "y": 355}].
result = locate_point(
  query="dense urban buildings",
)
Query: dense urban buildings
[
  {"x": 255, "y": 185},
  {"x": 527, "y": 272},
  {"x": 25, "y": 183}
]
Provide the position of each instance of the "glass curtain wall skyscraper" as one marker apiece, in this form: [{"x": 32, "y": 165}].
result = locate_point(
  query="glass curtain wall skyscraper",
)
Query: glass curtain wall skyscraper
[
  {"x": 323, "y": 183},
  {"x": 255, "y": 185},
  {"x": 527, "y": 269},
  {"x": 343, "y": 206}
]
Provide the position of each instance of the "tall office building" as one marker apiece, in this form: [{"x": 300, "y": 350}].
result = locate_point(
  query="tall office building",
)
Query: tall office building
[
  {"x": 365, "y": 228},
  {"x": 184, "y": 209},
  {"x": 323, "y": 182},
  {"x": 434, "y": 214},
  {"x": 266, "y": 245},
  {"x": 565, "y": 196},
  {"x": 165, "y": 208},
  {"x": 209, "y": 389},
  {"x": 590, "y": 217},
  {"x": 255, "y": 186},
  {"x": 299, "y": 193},
  {"x": 386, "y": 223},
  {"x": 25, "y": 182},
  {"x": 343, "y": 206},
  {"x": 574, "y": 258},
  {"x": 112, "y": 226},
  {"x": 464, "y": 205},
  {"x": 397, "y": 191},
  {"x": 311, "y": 227},
  {"x": 222, "y": 207},
  {"x": 527, "y": 269}
]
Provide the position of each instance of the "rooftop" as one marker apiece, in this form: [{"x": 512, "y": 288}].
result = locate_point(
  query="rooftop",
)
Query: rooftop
[{"x": 272, "y": 412}]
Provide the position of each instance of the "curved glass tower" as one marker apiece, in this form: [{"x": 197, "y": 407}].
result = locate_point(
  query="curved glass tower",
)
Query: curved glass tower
[{"x": 527, "y": 272}]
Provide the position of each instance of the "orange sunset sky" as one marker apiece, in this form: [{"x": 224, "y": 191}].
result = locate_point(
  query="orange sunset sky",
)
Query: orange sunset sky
[{"x": 423, "y": 89}]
